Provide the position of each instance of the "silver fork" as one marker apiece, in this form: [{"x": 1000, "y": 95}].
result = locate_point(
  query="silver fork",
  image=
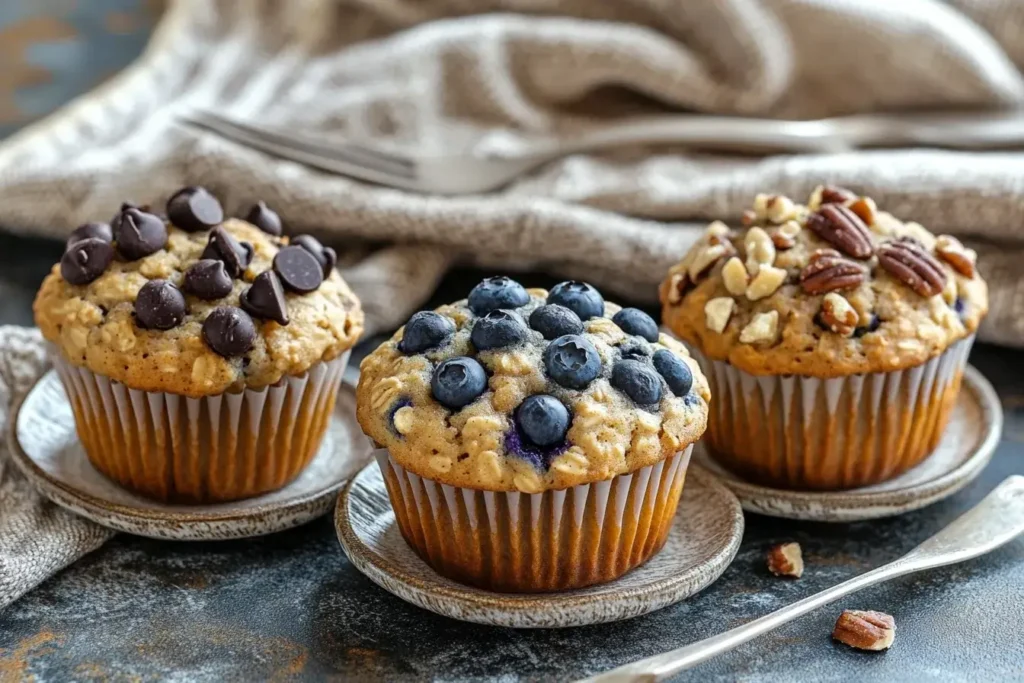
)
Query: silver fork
[
  {"x": 491, "y": 164},
  {"x": 995, "y": 521}
]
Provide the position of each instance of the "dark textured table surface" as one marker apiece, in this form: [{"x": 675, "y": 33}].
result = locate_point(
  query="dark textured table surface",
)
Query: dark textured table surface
[{"x": 291, "y": 607}]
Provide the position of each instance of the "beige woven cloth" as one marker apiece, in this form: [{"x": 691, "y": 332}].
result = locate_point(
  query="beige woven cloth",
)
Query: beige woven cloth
[{"x": 441, "y": 73}]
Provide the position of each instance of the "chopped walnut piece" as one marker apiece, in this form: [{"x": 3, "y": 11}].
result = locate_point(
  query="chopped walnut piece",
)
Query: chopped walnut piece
[
  {"x": 768, "y": 279},
  {"x": 735, "y": 277},
  {"x": 759, "y": 248},
  {"x": 784, "y": 237},
  {"x": 717, "y": 229},
  {"x": 748, "y": 218},
  {"x": 706, "y": 258},
  {"x": 677, "y": 287},
  {"x": 865, "y": 630},
  {"x": 764, "y": 327},
  {"x": 786, "y": 559},
  {"x": 717, "y": 313},
  {"x": 838, "y": 315},
  {"x": 780, "y": 209},
  {"x": 955, "y": 254}
]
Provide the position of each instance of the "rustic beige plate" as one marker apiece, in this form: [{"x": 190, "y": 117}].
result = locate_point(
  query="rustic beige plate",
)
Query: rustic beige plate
[
  {"x": 46, "y": 448},
  {"x": 702, "y": 543},
  {"x": 966, "y": 447}
]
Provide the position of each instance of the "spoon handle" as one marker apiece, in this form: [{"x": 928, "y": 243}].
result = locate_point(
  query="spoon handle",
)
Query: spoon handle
[{"x": 996, "y": 520}]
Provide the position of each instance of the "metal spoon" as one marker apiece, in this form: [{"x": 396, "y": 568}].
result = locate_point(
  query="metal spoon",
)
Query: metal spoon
[{"x": 996, "y": 520}]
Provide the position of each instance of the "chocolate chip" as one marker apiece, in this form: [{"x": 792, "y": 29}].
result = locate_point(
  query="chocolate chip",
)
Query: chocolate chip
[
  {"x": 264, "y": 218},
  {"x": 159, "y": 306},
  {"x": 138, "y": 233},
  {"x": 194, "y": 209},
  {"x": 98, "y": 230},
  {"x": 85, "y": 260},
  {"x": 129, "y": 205},
  {"x": 265, "y": 298},
  {"x": 207, "y": 279},
  {"x": 229, "y": 331},
  {"x": 299, "y": 270},
  {"x": 224, "y": 247},
  {"x": 325, "y": 256}
]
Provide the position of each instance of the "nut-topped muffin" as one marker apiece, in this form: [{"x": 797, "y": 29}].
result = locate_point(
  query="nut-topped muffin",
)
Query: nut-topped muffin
[
  {"x": 235, "y": 335},
  {"x": 556, "y": 394},
  {"x": 834, "y": 336}
]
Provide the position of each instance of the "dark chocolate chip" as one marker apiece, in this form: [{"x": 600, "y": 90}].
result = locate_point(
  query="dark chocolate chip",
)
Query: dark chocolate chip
[
  {"x": 265, "y": 298},
  {"x": 129, "y": 205},
  {"x": 138, "y": 233},
  {"x": 229, "y": 331},
  {"x": 98, "y": 230},
  {"x": 299, "y": 270},
  {"x": 194, "y": 209},
  {"x": 159, "y": 306},
  {"x": 207, "y": 279},
  {"x": 224, "y": 247},
  {"x": 85, "y": 260},
  {"x": 265, "y": 218},
  {"x": 325, "y": 256}
]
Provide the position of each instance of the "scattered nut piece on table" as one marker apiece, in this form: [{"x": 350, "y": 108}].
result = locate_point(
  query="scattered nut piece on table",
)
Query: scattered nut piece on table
[
  {"x": 865, "y": 630},
  {"x": 786, "y": 559}
]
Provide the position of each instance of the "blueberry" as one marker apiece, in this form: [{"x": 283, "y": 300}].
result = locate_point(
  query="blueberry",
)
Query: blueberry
[
  {"x": 636, "y": 322},
  {"x": 579, "y": 297},
  {"x": 497, "y": 292},
  {"x": 543, "y": 420},
  {"x": 637, "y": 380},
  {"x": 554, "y": 321},
  {"x": 458, "y": 382},
  {"x": 572, "y": 361},
  {"x": 674, "y": 370},
  {"x": 959, "y": 306},
  {"x": 638, "y": 349},
  {"x": 425, "y": 330},
  {"x": 875, "y": 323},
  {"x": 498, "y": 329}
]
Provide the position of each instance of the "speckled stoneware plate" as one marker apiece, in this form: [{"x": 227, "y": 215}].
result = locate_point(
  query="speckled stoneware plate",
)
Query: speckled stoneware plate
[
  {"x": 702, "y": 543},
  {"x": 966, "y": 447},
  {"x": 46, "y": 448}
]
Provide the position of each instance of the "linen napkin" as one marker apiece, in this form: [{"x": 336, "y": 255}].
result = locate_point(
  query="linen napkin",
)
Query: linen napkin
[{"x": 440, "y": 74}]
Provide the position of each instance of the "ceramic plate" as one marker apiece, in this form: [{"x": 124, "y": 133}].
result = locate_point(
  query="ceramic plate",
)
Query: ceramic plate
[
  {"x": 966, "y": 447},
  {"x": 45, "y": 446},
  {"x": 701, "y": 544}
]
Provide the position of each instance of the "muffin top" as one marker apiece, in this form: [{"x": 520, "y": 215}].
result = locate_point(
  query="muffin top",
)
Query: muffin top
[
  {"x": 832, "y": 288},
  {"x": 194, "y": 304},
  {"x": 529, "y": 390}
]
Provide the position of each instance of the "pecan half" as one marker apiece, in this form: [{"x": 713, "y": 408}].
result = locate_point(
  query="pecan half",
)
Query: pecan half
[
  {"x": 828, "y": 271},
  {"x": 830, "y": 194},
  {"x": 865, "y": 630},
  {"x": 907, "y": 261},
  {"x": 843, "y": 229}
]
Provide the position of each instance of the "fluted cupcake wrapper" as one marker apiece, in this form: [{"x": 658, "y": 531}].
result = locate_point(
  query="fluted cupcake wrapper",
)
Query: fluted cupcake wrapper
[
  {"x": 195, "y": 450},
  {"x": 550, "y": 541},
  {"x": 809, "y": 433}
]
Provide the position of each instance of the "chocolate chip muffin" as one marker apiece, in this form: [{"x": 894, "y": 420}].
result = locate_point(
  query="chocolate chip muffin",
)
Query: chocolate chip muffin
[
  {"x": 578, "y": 403},
  {"x": 201, "y": 354},
  {"x": 834, "y": 336}
]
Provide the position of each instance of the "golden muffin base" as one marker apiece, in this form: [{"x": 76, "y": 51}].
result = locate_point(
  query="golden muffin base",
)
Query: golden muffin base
[
  {"x": 219, "y": 448},
  {"x": 527, "y": 543},
  {"x": 830, "y": 434}
]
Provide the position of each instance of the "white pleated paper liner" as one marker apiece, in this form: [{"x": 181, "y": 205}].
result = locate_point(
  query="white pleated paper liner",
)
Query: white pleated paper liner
[
  {"x": 827, "y": 434},
  {"x": 550, "y": 541},
  {"x": 199, "y": 450}
]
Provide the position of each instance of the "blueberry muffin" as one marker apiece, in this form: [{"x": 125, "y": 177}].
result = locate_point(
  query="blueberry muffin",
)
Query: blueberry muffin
[
  {"x": 834, "y": 336},
  {"x": 580, "y": 404},
  {"x": 201, "y": 354}
]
